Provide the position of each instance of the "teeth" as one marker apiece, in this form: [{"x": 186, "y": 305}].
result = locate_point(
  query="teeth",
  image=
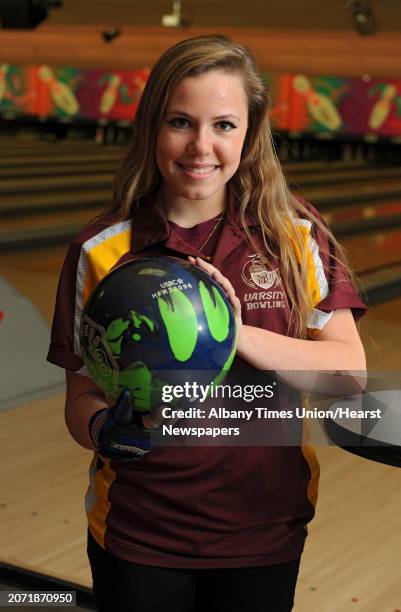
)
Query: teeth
[{"x": 204, "y": 170}]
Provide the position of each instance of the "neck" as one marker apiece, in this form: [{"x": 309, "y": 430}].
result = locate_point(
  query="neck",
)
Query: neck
[{"x": 186, "y": 212}]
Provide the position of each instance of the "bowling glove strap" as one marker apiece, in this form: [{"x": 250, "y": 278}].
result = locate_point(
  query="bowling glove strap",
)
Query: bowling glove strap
[
  {"x": 125, "y": 442},
  {"x": 95, "y": 425}
]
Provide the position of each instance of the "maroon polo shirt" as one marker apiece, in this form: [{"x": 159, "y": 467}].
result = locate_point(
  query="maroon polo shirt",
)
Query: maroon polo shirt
[{"x": 200, "y": 506}]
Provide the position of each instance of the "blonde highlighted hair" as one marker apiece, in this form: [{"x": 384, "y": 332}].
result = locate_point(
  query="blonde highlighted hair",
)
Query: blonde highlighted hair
[{"x": 257, "y": 189}]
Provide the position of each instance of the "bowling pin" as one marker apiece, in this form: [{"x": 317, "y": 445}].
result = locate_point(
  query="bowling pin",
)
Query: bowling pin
[
  {"x": 110, "y": 94},
  {"x": 278, "y": 111},
  {"x": 61, "y": 94},
  {"x": 319, "y": 105},
  {"x": 381, "y": 109},
  {"x": 3, "y": 80},
  {"x": 140, "y": 80}
]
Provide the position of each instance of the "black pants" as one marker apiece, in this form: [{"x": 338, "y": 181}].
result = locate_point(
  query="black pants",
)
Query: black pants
[{"x": 122, "y": 586}]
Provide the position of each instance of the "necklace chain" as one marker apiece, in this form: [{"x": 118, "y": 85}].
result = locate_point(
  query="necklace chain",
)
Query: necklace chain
[{"x": 211, "y": 234}]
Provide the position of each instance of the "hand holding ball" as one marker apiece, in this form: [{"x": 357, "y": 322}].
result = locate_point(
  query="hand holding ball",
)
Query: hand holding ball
[{"x": 156, "y": 321}]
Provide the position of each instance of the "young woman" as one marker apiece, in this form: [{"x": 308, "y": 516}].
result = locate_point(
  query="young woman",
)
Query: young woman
[{"x": 207, "y": 527}]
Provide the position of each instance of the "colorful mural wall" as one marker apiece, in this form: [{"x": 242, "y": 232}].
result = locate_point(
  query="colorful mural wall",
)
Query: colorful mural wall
[{"x": 319, "y": 104}]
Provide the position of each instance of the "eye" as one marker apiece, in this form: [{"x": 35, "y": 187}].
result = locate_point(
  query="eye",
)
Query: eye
[
  {"x": 226, "y": 126},
  {"x": 178, "y": 122}
]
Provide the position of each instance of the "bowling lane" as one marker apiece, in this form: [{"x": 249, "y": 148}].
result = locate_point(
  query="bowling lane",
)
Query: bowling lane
[
  {"x": 35, "y": 203},
  {"x": 310, "y": 167},
  {"x": 343, "y": 195},
  {"x": 32, "y": 230},
  {"x": 84, "y": 167},
  {"x": 48, "y": 261},
  {"x": 388, "y": 311},
  {"x": 363, "y": 218},
  {"x": 56, "y": 183},
  {"x": 51, "y": 159},
  {"x": 380, "y": 331},
  {"x": 321, "y": 177},
  {"x": 373, "y": 249},
  {"x": 80, "y": 217},
  {"x": 362, "y": 211},
  {"x": 35, "y": 276}
]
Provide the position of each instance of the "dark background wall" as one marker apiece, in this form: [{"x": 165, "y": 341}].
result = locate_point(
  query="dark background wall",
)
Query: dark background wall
[{"x": 307, "y": 36}]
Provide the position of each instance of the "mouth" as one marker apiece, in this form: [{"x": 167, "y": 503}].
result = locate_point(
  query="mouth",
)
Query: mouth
[{"x": 198, "y": 172}]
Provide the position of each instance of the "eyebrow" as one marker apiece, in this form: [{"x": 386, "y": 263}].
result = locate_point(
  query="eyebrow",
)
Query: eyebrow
[{"x": 220, "y": 117}]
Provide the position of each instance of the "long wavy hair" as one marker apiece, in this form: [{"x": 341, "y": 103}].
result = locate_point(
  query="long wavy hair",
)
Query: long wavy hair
[{"x": 258, "y": 188}]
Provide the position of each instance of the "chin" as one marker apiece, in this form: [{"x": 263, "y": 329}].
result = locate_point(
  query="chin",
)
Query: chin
[
  {"x": 196, "y": 194},
  {"x": 199, "y": 195}
]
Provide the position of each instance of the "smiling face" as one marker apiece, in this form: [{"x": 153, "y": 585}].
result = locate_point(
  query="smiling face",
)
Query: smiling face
[{"x": 199, "y": 144}]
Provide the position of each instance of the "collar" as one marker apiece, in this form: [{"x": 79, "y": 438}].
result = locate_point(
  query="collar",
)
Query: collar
[{"x": 151, "y": 227}]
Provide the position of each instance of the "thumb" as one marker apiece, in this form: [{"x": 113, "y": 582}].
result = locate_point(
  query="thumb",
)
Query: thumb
[{"x": 123, "y": 409}]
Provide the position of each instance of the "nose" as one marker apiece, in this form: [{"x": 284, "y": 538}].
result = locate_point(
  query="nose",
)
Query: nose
[{"x": 200, "y": 143}]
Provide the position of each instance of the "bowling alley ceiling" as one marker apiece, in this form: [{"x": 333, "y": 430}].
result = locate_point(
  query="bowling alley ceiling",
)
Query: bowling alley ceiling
[{"x": 270, "y": 14}]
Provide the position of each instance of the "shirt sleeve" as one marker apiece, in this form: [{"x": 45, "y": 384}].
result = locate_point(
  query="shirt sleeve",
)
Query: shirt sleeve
[
  {"x": 62, "y": 351},
  {"x": 91, "y": 255},
  {"x": 333, "y": 285}
]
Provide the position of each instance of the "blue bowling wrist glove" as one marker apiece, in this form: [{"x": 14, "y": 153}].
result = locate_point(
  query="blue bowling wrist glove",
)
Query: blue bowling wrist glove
[{"x": 118, "y": 433}]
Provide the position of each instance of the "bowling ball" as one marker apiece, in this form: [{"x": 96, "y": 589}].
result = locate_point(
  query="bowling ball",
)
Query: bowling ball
[{"x": 156, "y": 321}]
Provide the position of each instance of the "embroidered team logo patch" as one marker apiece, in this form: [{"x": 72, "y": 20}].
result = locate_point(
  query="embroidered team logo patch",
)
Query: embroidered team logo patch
[{"x": 255, "y": 274}]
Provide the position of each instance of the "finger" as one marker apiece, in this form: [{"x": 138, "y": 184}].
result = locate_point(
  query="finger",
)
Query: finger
[
  {"x": 204, "y": 264},
  {"x": 221, "y": 280},
  {"x": 224, "y": 283},
  {"x": 123, "y": 409},
  {"x": 236, "y": 303},
  {"x": 201, "y": 263},
  {"x": 237, "y": 308},
  {"x": 148, "y": 422},
  {"x": 214, "y": 272},
  {"x": 154, "y": 419}
]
